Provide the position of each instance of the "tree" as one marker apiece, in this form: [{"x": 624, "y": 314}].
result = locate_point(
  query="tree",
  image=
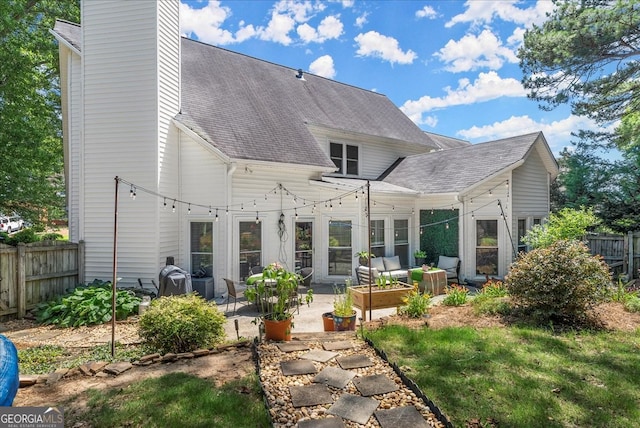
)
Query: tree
[
  {"x": 586, "y": 54},
  {"x": 567, "y": 224},
  {"x": 31, "y": 159}
]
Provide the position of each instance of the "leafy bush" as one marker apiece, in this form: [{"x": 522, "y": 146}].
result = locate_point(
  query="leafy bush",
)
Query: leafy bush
[
  {"x": 494, "y": 288},
  {"x": 456, "y": 295},
  {"x": 558, "y": 283},
  {"x": 632, "y": 304},
  {"x": 39, "y": 359},
  {"x": 485, "y": 304},
  {"x": 181, "y": 324},
  {"x": 567, "y": 224},
  {"x": 87, "y": 305},
  {"x": 25, "y": 236},
  {"x": 51, "y": 236},
  {"x": 416, "y": 304}
]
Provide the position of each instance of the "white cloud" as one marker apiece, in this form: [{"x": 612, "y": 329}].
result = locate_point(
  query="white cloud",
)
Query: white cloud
[
  {"x": 376, "y": 45},
  {"x": 431, "y": 121},
  {"x": 205, "y": 23},
  {"x": 486, "y": 87},
  {"x": 323, "y": 66},
  {"x": 557, "y": 133},
  {"x": 483, "y": 12},
  {"x": 472, "y": 52},
  {"x": 426, "y": 12},
  {"x": 278, "y": 29},
  {"x": 361, "y": 20},
  {"x": 330, "y": 28}
]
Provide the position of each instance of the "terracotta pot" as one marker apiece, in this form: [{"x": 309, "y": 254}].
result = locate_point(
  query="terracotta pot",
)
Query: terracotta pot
[
  {"x": 327, "y": 321},
  {"x": 341, "y": 323},
  {"x": 277, "y": 330}
]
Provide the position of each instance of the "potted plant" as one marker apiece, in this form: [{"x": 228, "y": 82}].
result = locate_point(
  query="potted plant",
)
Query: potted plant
[
  {"x": 421, "y": 257},
  {"x": 275, "y": 295},
  {"x": 363, "y": 257},
  {"x": 344, "y": 316}
]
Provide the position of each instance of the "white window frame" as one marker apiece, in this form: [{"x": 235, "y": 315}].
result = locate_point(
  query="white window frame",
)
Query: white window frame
[{"x": 344, "y": 159}]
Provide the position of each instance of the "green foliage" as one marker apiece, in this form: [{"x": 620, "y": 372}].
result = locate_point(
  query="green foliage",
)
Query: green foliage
[
  {"x": 494, "y": 288},
  {"x": 25, "y": 236},
  {"x": 30, "y": 136},
  {"x": 416, "y": 304},
  {"x": 438, "y": 239},
  {"x": 456, "y": 295},
  {"x": 40, "y": 359},
  {"x": 565, "y": 225},
  {"x": 632, "y": 304},
  {"x": 420, "y": 254},
  {"x": 51, "y": 236},
  {"x": 343, "y": 302},
  {"x": 484, "y": 304},
  {"x": 559, "y": 283},
  {"x": 87, "y": 305},
  {"x": 181, "y": 323},
  {"x": 585, "y": 54}
]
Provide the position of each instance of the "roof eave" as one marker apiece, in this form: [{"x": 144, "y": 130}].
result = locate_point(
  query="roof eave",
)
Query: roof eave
[{"x": 65, "y": 42}]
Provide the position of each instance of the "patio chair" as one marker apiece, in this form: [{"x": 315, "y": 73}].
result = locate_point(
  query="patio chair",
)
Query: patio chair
[
  {"x": 306, "y": 274},
  {"x": 234, "y": 292},
  {"x": 256, "y": 270},
  {"x": 451, "y": 265}
]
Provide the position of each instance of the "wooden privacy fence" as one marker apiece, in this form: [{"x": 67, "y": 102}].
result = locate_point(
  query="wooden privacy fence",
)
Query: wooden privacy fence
[
  {"x": 37, "y": 272},
  {"x": 620, "y": 252}
]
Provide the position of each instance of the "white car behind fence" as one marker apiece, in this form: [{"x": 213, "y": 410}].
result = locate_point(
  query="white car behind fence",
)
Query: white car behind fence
[{"x": 11, "y": 223}]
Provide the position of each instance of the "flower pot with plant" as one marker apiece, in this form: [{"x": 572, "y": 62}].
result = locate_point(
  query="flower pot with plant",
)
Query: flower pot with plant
[
  {"x": 363, "y": 257},
  {"x": 276, "y": 295},
  {"x": 420, "y": 256},
  {"x": 344, "y": 316}
]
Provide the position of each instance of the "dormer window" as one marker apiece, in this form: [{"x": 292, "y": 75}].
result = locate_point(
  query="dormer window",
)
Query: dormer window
[{"x": 345, "y": 157}]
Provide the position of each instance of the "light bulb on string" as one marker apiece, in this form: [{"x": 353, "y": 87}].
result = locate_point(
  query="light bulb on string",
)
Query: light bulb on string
[
  {"x": 131, "y": 192},
  {"x": 331, "y": 205},
  {"x": 173, "y": 207},
  {"x": 490, "y": 192},
  {"x": 340, "y": 202},
  {"x": 446, "y": 226},
  {"x": 254, "y": 203},
  {"x": 257, "y": 218},
  {"x": 356, "y": 195},
  {"x": 471, "y": 202},
  {"x": 164, "y": 204},
  {"x": 296, "y": 212},
  {"x": 226, "y": 212},
  {"x": 209, "y": 209},
  {"x": 295, "y": 199},
  {"x": 420, "y": 230},
  {"x": 134, "y": 193},
  {"x": 216, "y": 214},
  {"x": 431, "y": 211},
  {"x": 242, "y": 206},
  {"x": 413, "y": 211},
  {"x": 473, "y": 216},
  {"x": 189, "y": 210}
]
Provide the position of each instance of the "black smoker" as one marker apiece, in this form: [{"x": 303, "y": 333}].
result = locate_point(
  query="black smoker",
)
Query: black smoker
[{"x": 174, "y": 280}]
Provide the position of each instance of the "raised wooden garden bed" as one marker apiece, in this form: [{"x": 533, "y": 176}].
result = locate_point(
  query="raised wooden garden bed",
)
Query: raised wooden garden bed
[{"x": 381, "y": 298}]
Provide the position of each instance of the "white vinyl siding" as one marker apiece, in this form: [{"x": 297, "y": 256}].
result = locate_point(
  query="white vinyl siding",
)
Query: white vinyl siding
[{"x": 123, "y": 121}]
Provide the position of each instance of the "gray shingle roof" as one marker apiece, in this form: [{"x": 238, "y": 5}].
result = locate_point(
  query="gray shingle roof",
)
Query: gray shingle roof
[
  {"x": 254, "y": 109},
  {"x": 454, "y": 170},
  {"x": 443, "y": 142},
  {"x": 70, "y": 32}
]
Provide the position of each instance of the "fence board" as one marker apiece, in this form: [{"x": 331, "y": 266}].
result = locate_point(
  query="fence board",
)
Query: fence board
[
  {"x": 620, "y": 252},
  {"x": 37, "y": 272}
]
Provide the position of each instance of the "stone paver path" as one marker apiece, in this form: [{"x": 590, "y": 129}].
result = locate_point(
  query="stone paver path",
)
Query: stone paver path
[{"x": 336, "y": 380}]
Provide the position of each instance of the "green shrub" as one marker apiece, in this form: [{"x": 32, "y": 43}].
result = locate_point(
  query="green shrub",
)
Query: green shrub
[
  {"x": 494, "y": 288},
  {"x": 632, "y": 304},
  {"x": 486, "y": 304},
  {"x": 416, "y": 304},
  {"x": 87, "y": 305},
  {"x": 51, "y": 236},
  {"x": 181, "y": 324},
  {"x": 567, "y": 224},
  {"x": 25, "y": 236},
  {"x": 456, "y": 295},
  {"x": 559, "y": 283}
]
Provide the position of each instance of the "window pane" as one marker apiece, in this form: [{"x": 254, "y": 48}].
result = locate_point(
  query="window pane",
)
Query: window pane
[
  {"x": 352, "y": 160},
  {"x": 201, "y": 245},
  {"x": 522, "y": 230},
  {"x": 250, "y": 246},
  {"x": 304, "y": 244},
  {"x": 401, "y": 241},
  {"x": 486, "y": 261},
  {"x": 487, "y": 233},
  {"x": 340, "y": 251},
  {"x": 335, "y": 152}
]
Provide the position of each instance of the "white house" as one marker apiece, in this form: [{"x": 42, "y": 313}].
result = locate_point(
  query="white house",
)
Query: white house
[{"x": 235, "y": 162}]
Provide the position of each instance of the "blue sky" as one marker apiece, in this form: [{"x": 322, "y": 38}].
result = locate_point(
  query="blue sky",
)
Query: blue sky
[{"x": 451, "y": 66}]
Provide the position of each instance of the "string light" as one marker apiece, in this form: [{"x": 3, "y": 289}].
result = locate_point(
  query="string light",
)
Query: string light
[
  {"x": 164, "y": 204},
  {"x": 209, "y": 209},
  {"x": 340, "y": 202},
  {"x": 173, "y": 207},
  {"x": 216, "y": 214},
  {"x": 257, "y": 219},
  {"x": 296, "y": 212},
  {"x": 226, "y": 212},
  {"x": 446, "y": 225},
  {"x": 254, "y": 203},
  {"x": 189, "y": 210},
  {"x": 242, "y": 207},
  {"x": 131, "y": 192}
]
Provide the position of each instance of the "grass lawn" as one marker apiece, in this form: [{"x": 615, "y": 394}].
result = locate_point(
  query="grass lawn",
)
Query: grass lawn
[
  {"x": 175, "y": 400},
  {"x": 520, "y": 376}
]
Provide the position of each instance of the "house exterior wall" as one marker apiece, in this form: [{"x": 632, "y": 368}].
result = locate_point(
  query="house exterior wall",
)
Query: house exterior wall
[
  {"x": 126, "y": 109},
  {"x": 531, "y": 198}
]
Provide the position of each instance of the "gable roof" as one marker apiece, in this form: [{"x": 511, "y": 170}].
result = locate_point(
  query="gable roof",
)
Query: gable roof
[
  {"x": 454, "y": 170},
  {"x": 443, "y": 142},
  {"x": 256, "y": 110}
]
